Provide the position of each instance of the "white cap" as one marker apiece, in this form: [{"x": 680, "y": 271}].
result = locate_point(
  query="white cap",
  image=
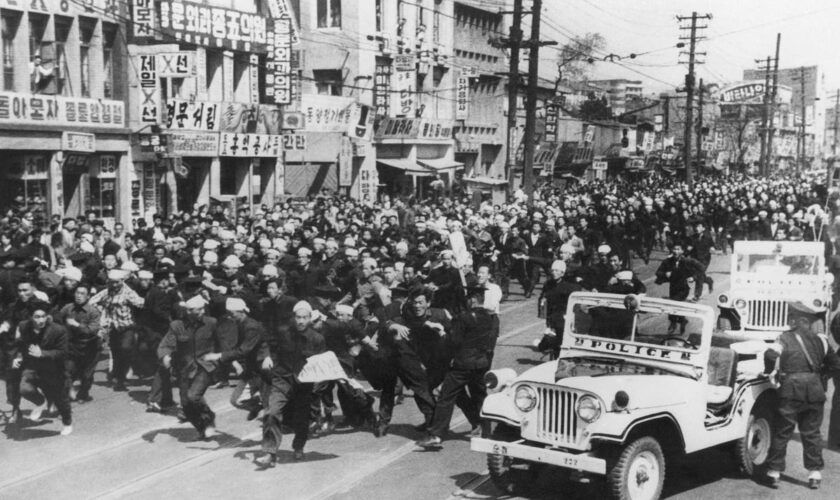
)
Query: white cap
[
  {"x": 344, "y": 309},
  {"x": 130, "y": 267},
  {"x": 197, "y": 302},
  {"x": 211, "y": 257},
  {"x": 624, "y": 275},
  {"x": 211, "y": 244},
  {"x": 232, "y": 261},
  {"x": 303, "y": 306},
  {"x": 351, "y": 251},
  {"x": 87, "y": 237},
  {"x": 144, "y": 275},
  {"x": 234, "y": 304},
  {"x": 265, "y": 243},
  {"x": 166, "y": 261},
  {"x": 70, "y": 273},
  {"x": 86, "y": 246},
  {"x": 40, "y": 295},
  {"x": 117, "y": 274},
  {"x": 240, "y": 246},
  {"x": 304, "y": 252},
  {"x": 270, "y": 271},
  {"x": 558, "y": 265},
  {"x": 226, "y": 235},
  {"x": 604, "y": 249}
]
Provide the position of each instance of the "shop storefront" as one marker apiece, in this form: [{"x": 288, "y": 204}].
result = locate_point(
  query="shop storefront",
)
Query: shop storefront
[{"x": 64, "y": 156}]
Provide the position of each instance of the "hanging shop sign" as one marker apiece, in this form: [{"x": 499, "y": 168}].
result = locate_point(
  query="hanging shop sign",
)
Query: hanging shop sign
[
  {"x": 152, "y": 143},
  {"x": 259, "y": 145},
  {"x": 414, "y": 128},
  {"x": 382, "y": 89},
  {"x": 599, "y": 165},
  {"x": 213, "y": 26},
  {"x": 404, "y": 84},
  {"x": 281, "y": 8},
  {"x": 462, "y": 98},
  {"x": 176, "y": 64},
  {"x": 551, "y": 110},
  {"x": 345, "y": 163},
  {"x": 279, "y": 83},
  {"x": 103, "y": 8},
  {"x": 107, "y": 166},
  {"x": 78, "y": 142},
  {"x": 193, "y": 144},
  {"x": 254, "y": 77},
  {"x": 61, "y": 111},
  {"x": 34, "y": 168},
  {"x": 328, "y": 113},
  {"x": 404, "y": 62},
  {"x": 192, "y": 115},
  {"x": 149, "y": 89},
  {"x": 143, "y": 18},
  {"x": 368, "y": 185},
  {"x": 238, "y": 117}
]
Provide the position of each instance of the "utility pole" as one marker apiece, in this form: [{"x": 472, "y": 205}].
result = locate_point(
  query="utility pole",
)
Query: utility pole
[
  {"x": 689, "y": 88},
  {"x": 765, "y": 112},
  {"x": 531, "y": 99},
  {"x": 800, "y": 157},
  {"x": 771, "y": 130},
  {"x": 515, "y": 40},
  {"x": 700, "y": 92},
  {"x": 836, "y": 123}
]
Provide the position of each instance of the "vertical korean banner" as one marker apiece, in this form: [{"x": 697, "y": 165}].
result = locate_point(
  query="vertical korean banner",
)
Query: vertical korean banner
[
  {"x": 345, "y": 163},
  {"x": 282, "y": 60},
  {"x": 382, "y": 89},
  {"x": 462, "y": 98},
  {"x": 405, "y": 82},
  {"x": 143, "y": 18},
  {"x": 149, "y": 89},
  {"x": 551, "y": 122},
  {"x": 254, "y": 77}
]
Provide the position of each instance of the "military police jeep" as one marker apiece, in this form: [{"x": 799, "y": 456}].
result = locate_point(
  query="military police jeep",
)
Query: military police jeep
[
  {"x": 624, "y": 397},
  {"x": 765, "y": 277}
]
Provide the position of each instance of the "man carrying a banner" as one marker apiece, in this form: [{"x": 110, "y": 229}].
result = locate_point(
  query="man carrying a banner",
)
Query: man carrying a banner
[{"x": 284, "y": 355}]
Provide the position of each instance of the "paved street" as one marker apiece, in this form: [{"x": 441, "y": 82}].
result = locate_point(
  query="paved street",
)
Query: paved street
[{"x": 119, "y": 451}]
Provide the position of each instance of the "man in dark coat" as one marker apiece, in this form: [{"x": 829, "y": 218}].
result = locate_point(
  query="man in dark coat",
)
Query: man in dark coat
[
  {"x": 800, "y": 359},
  {"x": 82, "y": 323},
  {"x": 183, "y": 348},
  {"x": 284, "y": 355},
  {"x": 469, "y": 343},
  {"x": 39, "y": 354},
  {"x": 678, "y": 271}
]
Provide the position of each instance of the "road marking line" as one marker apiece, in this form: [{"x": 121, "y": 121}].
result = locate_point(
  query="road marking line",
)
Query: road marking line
[{"x": 468, "y": 490}]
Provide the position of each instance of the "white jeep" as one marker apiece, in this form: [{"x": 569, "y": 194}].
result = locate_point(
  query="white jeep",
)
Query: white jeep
[
  {"x": 624, "y": 397},
  {"x": 765, "y": 276}
]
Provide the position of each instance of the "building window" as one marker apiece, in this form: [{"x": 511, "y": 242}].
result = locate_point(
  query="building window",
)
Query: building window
[
  {"x": 10, "y": 23},
  {"x": 86, "y": 29},
  {"x": 227, "y": 178},
  {"x": 42, "y": 58},
  {"x": 329, "y": 13},
  {"x": 62, "y": 32},
  {"x": 109, "y": 37},
  {"x": 328, "y": 81},
  {"x": 436, "y": 23},
  {"x": 378, "y": 15}
]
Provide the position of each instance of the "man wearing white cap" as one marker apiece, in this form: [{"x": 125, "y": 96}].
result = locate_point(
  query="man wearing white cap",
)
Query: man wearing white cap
[
  {"x": 116, "y": 304},
  {"x": 243, "y": 353},
  {"x": 306, "y": 275},
  {"x": 283, "y": 355},
  {"x": 183, "y": 348}
]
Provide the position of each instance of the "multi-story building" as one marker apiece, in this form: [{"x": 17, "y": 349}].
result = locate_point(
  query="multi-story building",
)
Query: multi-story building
[
  {"x": 203, "y": 127},
  {"x": 619, "y": 91},
  {"x": 63, "y": 131}
]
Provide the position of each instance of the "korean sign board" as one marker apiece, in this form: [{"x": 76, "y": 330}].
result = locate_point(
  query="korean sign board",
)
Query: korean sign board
[
  {"x": 259, "y": 145},
  {"x": 404, "y": 84},
  {"x": 281, "y": 8},
  {"x": 176, "y": 64},
  {"x": 193, "y": 144},
  {"x": 149, "y": 89},
  {"x": 61, "y": 111},
  {"x": 551, "y": 110},
  {"x": 462, "y": 98},
  {"x": 329, "y": 113},
  {"x": 195, "y": 115},
  {"x": 382, "y": 89},
  {"x": 78, "y": 142},
  {"x": 102, "y": 8},
  {"x": 213, "y": 26},
  {"x": 414, "y": 128},
  {"x": 279, "y": 61},
  {"x": 143, "y": 18}
]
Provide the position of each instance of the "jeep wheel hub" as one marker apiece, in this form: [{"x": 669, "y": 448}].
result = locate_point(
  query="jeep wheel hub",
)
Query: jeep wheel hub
[{"x": 643, "y": 479}]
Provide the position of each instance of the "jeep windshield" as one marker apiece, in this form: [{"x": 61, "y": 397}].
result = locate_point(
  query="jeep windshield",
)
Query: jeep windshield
[
  {"x": 776, "y": 264},
  {"x": 614, "y": 322}
]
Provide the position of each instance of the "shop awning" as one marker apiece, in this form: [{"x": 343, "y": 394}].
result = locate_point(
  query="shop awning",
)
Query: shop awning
[
  {"x": 439, "y": 164},
  {"x": 486, "y": 180},
  {"x": 408, "y": 166}
]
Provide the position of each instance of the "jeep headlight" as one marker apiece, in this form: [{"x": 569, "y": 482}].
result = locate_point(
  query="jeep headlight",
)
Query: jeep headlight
[
  {"x": 525, "y": 398},
  {"x": 588, "y": 408},
  {"x": 740, "y": 304}
]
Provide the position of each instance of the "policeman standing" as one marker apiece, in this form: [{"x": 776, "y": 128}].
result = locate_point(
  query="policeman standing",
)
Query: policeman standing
[{"x": 800, "y": 358}]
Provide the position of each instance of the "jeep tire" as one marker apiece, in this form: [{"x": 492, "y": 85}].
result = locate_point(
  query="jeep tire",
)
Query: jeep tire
[
  {"x": 638, "y": 472},
  {"x": 504, "y": 476},
  {"x": 752, "y": 449}
]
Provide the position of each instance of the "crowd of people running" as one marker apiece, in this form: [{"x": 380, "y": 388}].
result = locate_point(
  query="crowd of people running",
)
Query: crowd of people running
[{"x": 403, "y": 292}]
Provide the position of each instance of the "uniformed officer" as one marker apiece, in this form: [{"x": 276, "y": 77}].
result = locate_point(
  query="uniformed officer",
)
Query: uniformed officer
[{"x": 800, "y": 359}]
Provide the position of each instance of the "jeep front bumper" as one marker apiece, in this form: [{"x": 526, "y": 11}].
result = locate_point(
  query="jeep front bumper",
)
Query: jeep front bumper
[{"x": 575, "y": 461}]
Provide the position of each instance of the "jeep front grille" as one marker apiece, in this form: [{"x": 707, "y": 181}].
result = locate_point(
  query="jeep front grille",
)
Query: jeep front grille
[
  {"x": 557, "y": 420},
  {"x": 766, "y": 314}
]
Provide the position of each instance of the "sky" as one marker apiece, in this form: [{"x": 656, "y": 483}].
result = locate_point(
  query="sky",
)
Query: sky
[{"x": 739, "y": 32}]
